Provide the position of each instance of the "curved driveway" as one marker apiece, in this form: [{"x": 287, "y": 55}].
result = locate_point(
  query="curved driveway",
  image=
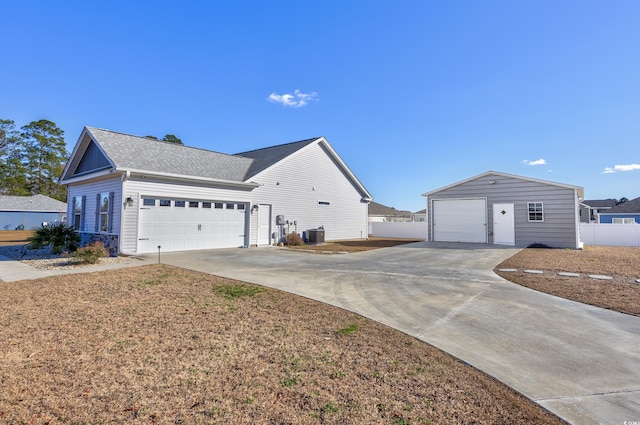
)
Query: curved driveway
[{"x": 580, "y": 362}]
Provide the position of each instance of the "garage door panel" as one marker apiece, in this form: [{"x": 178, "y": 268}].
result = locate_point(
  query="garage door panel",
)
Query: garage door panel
[
  {"x": 460, "y": 220},
  {"x": 178, "y": 228}
]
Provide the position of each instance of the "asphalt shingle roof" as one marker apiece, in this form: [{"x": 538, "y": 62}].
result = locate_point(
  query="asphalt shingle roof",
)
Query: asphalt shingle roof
[
  {"x": 141, "y": 153},
  {"x": 31, "y": 203},
  {"x": 600, "y": 203},
  {"x": 379, "y": 209},
  {"x": 629, "y": 207}
]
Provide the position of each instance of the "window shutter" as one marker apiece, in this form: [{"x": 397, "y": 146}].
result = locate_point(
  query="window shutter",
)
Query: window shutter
[
  {"x": 73, "y": 211},
  {"x": 97, "y": 213},
  {"x": 84, "y": 203},
  {"x": 110, "y": 219}
]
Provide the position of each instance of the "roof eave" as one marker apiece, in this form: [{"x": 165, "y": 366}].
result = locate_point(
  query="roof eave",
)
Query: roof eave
[{"x": 182, "y": 177}]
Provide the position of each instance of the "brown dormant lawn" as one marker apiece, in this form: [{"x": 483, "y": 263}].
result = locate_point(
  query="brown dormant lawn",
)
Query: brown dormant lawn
[
  {"x": 622, "y": 264},
  {"x": 161, "y": 345}
]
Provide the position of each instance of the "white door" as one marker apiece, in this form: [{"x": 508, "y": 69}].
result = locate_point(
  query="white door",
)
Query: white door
[
  {"x": 264, "y": 224},
  {"x": 459, "y": 220},
  {"x": 504, "y": 231}
]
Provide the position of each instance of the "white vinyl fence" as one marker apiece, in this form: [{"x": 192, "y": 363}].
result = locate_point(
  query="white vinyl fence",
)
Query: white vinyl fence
[
  {"x": 610, "y": 234},
  {"x": 407, "y": 230}
]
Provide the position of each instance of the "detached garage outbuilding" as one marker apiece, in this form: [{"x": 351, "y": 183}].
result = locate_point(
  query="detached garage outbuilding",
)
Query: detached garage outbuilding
[
  {"x": 500, "y": 208},
  {"x": 135, "y": 194}
]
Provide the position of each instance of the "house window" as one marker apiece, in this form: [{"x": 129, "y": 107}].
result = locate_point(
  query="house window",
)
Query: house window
[
  {"x": 179, "y": 204},
  {"x": 218, "y": 205},
  {"x": 535, "y": 210},
  {"x": 104, "y": 209},
  {"x": 193, "y": 204},
  {"x": 78, "y": 212},
  {"x": 324, "y": 203},
  {"x": 230, "y": 206},
  {"x": 149, "y": 202},
  {"x": 630, "y": 220},
  {"x": 165, "y": 202},
  {"x": 240, "y": 206},
  {"x": 206, "y": 205}
]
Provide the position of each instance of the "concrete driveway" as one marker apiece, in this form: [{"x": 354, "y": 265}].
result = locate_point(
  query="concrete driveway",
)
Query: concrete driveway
[{"x": 580, "y": 362}]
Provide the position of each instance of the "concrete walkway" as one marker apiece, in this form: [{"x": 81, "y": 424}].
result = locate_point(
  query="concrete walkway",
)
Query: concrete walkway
[{"x": 580, "y": 362}]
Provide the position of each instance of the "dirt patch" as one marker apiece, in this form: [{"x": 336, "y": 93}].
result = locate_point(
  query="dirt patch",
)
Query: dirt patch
[
  {"x": 158, "y": 344},
  {"x": 357, "y": 245},
  {"x": 622, "y": 264},
  {"x": 14, "y": 237}
]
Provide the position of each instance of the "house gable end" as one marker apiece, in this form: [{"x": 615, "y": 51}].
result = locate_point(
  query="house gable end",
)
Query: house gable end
[{"x": 92, "y": 160}]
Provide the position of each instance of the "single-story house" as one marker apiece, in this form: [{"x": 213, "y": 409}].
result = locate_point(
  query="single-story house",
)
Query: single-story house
[
  {"x": 138, "y": 195},
  {"x": 589, "y": 209},
  {"x": 419, "y": 216},
  {"x": 624, "y": 213},
  {"x": 29, "y": 212},
  {"x": 382, "y": 213},
  {"x": 500, "y": 208}
]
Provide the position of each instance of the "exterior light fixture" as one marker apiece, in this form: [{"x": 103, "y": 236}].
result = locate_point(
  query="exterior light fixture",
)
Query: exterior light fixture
[
  {"x": 492, "y": 182},
  {"x": 129, "y": 201},
  {"x": 255, "y": 207}
]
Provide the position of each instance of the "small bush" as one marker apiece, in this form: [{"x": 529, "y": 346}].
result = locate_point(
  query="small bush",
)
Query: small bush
[
  {"x": 294, "y": 239},
  {"x": 91, "y": 254},
  {"x": 60, "y": 236}
]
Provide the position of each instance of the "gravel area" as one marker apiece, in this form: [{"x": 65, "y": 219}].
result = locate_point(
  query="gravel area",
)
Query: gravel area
[{"x": 45, "y": 259}]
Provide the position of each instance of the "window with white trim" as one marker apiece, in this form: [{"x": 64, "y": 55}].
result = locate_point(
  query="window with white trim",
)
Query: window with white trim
[
  {"x": 629, "y": 220},
  {"x": 535, "y": 211},
  {"x": 104, "y": 208},
  {"x": 78, "y": 212}
]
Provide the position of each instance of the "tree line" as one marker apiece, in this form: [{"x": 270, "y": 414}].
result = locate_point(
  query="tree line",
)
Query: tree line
[{"x": 33, "y": 157}]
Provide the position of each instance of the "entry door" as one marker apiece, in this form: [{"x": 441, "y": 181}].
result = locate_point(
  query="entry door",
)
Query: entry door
[
  {"x": 504, "y": 232},
  {"x": 264, "y": 224}
]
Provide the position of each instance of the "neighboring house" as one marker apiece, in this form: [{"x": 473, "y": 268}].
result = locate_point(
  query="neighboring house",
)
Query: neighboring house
[
  {"x": 589, "y": 209},
  {"x": 136, "y": 194},
  {"x": 500, "y": 208},
  {"x": 28, "y": 212},
  {"x": 624, "y": 213},
  {"x": 382, "y": 213},
  {"x": 419, "y": 216}
]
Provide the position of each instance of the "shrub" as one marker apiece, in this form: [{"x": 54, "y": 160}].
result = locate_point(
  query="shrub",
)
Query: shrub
[
  {"x": 60, "y": 236},
  {"x": 91, "y": 254},
  {"x": 294, "y": 239}
]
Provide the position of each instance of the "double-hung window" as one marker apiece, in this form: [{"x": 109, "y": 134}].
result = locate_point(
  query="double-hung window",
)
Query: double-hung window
[
  {"x": 535, "y": 211},
  {"x": 78, "y": 212},
  {"x": 104, "y": 212}
]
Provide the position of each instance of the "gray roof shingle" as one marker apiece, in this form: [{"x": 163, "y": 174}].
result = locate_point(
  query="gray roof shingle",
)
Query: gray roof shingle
[
  {"x": 141, "y": 153},
  {"x": 629, "y": 207},
  {"x": 600, "y": 203},
  {"x": 31, "y": 203},
  {"x": 382, "y": 210}
]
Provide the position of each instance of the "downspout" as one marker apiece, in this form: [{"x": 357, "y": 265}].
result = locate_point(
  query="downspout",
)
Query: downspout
[
  {"x": 123, "y": 180},
  {"x": 579, "y": 243}
]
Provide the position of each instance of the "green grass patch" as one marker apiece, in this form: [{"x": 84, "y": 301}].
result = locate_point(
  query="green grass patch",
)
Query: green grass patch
[
  {"x": 232, "y": 292},
  {"x": 349, "y": 329}
]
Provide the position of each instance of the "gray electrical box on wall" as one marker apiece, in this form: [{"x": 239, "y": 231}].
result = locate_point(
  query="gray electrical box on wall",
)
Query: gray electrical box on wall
[{"x": 280, "y": 220}]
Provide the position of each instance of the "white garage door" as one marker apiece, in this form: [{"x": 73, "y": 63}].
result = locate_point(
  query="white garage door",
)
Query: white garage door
[
  {"x": 460, "y": 220},
  {"x": 181, "y": 225}
]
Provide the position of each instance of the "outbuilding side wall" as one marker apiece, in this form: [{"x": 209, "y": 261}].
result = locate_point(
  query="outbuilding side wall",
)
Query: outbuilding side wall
[{"x": 560, "y": 208}]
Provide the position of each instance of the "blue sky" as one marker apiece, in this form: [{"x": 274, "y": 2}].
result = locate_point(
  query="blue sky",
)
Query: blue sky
[{"x": 414, "y": 95}]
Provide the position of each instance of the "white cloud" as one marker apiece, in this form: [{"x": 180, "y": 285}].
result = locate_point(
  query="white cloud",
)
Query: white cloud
[
  {"x": 295, "y": 100},
  {"x": 536, "y": 162},
  {"x": 615, "y": 168}
]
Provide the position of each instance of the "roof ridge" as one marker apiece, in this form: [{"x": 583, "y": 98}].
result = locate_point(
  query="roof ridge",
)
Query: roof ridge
[
  {"x": 158, "y": 140},
  {"x": 280, "y": 145}
]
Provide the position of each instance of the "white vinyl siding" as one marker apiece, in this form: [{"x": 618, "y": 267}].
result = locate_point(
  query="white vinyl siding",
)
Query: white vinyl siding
[
  {"x": 309, "y": 189},
  {"x": 90, "y": 191}
]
